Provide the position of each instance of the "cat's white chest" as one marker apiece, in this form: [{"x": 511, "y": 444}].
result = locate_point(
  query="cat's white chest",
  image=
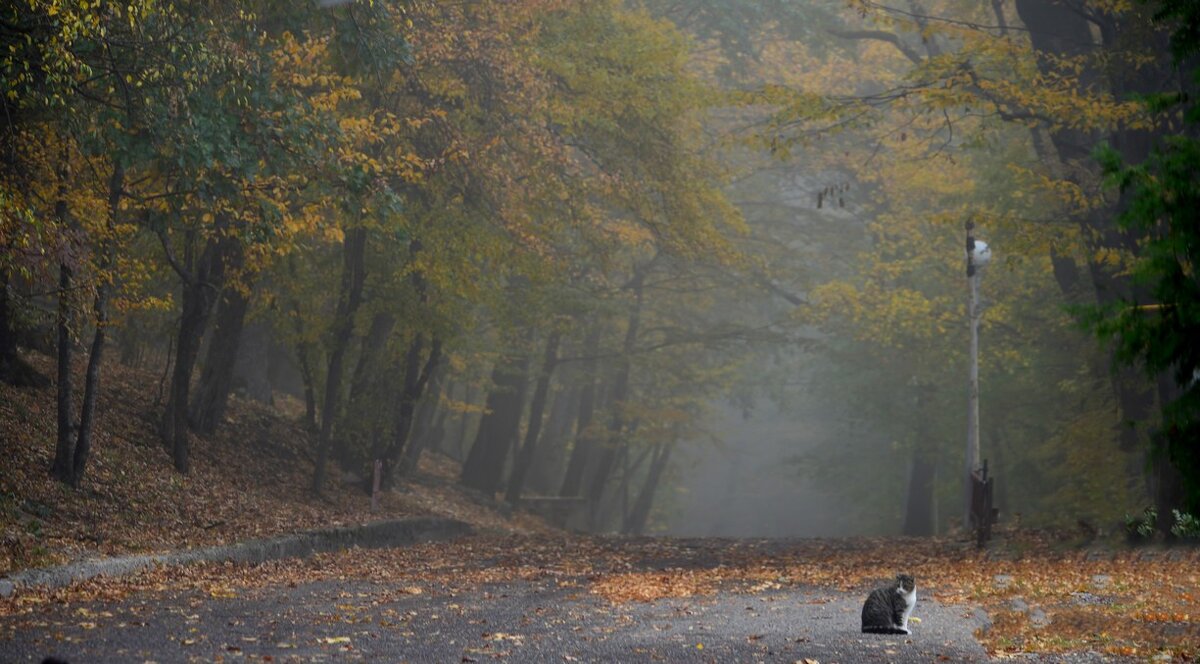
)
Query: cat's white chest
[{"x": 910, "y": 601}]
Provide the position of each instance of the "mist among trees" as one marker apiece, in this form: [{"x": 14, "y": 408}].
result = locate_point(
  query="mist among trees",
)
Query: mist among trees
[{"x": 689, "y": 266}]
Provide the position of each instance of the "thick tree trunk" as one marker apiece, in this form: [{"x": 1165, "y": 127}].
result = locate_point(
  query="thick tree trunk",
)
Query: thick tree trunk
[
  {"x": 639, "y": 514},
  {"x": 200, "y": 290},
  {"x": 187, "y": 346},
  {"x": 581, "y": 451},
  {"x": 520, "y": 470},
  {"x": 349, "y": 299},
  {"x": 372, "y": 347},
  {"x": 216, "y": 376},
  {"x": 484, "y": 468}
]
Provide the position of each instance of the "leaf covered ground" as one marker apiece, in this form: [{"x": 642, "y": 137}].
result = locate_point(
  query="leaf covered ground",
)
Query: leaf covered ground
[
  {"x": 1040, "y": 597},
  {"x": 249, "y": 480}
]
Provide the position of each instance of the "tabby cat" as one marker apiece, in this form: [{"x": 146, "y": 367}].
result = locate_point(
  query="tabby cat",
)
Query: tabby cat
[{"x": 887, "y": 609}]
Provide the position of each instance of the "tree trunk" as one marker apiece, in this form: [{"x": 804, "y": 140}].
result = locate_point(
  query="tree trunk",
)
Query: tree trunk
[
  {"x": 304, "y": 359},
  {"x": 919, "y": 510},
  {"x": 61, "y": 469},
  {"x": 63, "y": 465},
  {"x": 200, "y": 289},
  {"x": 13, "y": 370},
  {"x": 216, "y": 376},
  {"x": 484, "y": 467},
  {"x": 372, "y": 347},
  {"x": 8, "y": 337},
  {"x": 616, "y": 424},
  {"x": 1166, "y": 481},
  {"x": 91, "y": 381},
  {"x": 464, "y": 425},
  {"x": 435, "y": 438},
  {"x": 635, "y": 522},
  {"x": 427, "y": 423},
  {"x": 545, "y": 477},
  {"x": 252, "y": 369},
  {"x": 416, "y": 379},
  {"x": 581, "y": 451},
  {"x": 74, "y": 442},
  {"x": 91, "y": 388},
  {"x": 1063, "y": 31},
  {"x": 353, "y": 279},
  {"x": 516, "y": 482}
]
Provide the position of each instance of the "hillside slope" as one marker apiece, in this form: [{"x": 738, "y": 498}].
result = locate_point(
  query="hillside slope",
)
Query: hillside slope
[{"x": 249, "y": 480}]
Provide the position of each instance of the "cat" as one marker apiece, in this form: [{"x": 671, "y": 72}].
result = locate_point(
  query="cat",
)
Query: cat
[{"x": 887, "y": 609}]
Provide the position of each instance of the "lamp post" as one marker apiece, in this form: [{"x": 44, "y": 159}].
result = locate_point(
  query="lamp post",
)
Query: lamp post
[{"x": 978, "y": 256}]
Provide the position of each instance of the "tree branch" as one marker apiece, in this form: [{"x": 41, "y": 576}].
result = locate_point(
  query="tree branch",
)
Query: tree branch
[
  {"x": 183, "y": 272},
  {"x": 880, "y": 35}
]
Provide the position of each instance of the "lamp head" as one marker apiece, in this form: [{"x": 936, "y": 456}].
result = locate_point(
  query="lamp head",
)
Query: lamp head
[{"x": 981, "y": 254}]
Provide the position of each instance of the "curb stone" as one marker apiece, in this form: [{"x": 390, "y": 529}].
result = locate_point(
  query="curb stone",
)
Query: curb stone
[{"x": 379, "y": 534}]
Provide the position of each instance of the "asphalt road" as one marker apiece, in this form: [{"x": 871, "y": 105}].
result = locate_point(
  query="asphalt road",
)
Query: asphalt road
[
  {"x": 551, "y": 619},
  {"x": 520, "y": 622}
]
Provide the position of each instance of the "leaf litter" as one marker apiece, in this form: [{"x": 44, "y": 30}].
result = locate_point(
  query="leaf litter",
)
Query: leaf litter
[
  {"x": 1153, "y": 609},
  {"x": 250, "y": 481}
]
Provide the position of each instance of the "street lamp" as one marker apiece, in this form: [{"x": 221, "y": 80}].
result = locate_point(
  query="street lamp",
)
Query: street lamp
[{"x": 978, "y": 256}]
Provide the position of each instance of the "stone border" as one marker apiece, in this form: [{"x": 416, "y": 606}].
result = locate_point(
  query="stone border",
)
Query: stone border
[{"x": 380, "y": 534}]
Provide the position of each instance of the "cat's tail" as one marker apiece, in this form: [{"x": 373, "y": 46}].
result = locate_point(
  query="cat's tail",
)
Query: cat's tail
[{"x": 872, "y": 629}]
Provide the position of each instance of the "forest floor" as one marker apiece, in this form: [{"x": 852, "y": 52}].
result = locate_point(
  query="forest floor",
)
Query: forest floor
[
  {"x": 521, "y": 590},
  {"x": 250, "y": 480}
]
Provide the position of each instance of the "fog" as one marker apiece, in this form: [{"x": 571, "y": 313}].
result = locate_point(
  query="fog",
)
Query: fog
[
  {"x": 750, "y": 484},
  {"x": 693, "y": 267}
]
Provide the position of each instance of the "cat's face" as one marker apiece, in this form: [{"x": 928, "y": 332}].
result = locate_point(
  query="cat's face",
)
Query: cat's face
[{"x": 906, "y": 582}]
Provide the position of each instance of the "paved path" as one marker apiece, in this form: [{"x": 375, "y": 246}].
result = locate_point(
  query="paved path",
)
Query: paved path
[{"x": 548, "y": 619}]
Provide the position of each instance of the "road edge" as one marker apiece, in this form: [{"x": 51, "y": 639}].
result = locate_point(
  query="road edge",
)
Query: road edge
[{"x": 378, "y": 534}]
